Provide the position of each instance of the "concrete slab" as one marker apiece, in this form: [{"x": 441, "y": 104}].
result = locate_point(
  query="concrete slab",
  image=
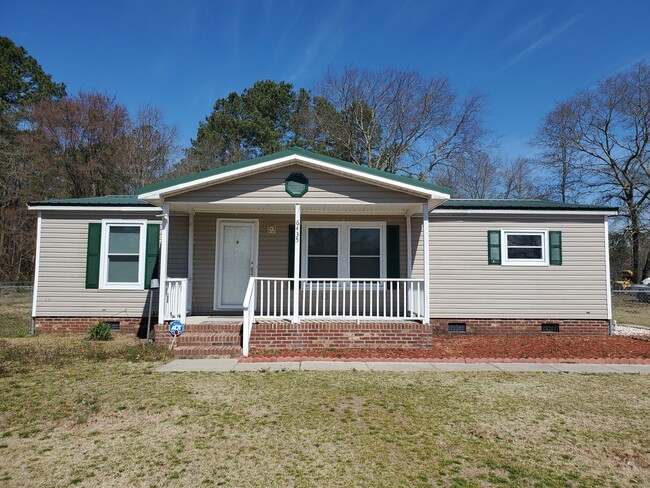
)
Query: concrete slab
[
  {"x": 525, "y": 367},
  {"x": 261, "y": 367},
  {"x": 631, "y": 368},
  {"x": 464, "y": 367},
  {"x": 215, "y": 365},
  {"x": 583, "y": 368},
  {"x": 333, "y": 366},
  {"x": 399, "y": 366}
]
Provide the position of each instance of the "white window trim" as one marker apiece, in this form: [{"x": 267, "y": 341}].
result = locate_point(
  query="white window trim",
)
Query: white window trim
[
  {"x": 524, "y": 262},
  {"x": 343, "y": 245},
  {"x": 103, "y": 264}
]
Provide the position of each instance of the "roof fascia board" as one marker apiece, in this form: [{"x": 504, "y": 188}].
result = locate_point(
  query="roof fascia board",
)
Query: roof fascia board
[
  {"x": 523, "y": 211},
  {"x": 159, "y": 194},
  {"x": 93, "y": 208}
]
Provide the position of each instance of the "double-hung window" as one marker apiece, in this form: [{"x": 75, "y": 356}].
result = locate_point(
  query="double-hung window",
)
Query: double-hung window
[
  {"x": 525, "y": 247},
  {"x": 344, "y": 250},
  {"x": 123, "y": 255}
]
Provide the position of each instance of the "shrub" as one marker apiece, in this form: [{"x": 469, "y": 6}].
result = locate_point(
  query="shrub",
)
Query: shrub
[{"x": 100, "y": 331}]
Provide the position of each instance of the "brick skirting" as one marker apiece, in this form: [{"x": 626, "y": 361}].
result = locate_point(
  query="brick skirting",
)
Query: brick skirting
[
  {"x": 404, "y": 335},
  {"x": 80, "y": 325},
  {"x": 340, "y": 335},
  {"x": 524, "y": 327}
]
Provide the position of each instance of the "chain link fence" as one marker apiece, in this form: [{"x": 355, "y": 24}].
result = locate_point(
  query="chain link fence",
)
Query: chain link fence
[
  {"x": 15, "y": 309},
  {"x": 631, "y": 311}
]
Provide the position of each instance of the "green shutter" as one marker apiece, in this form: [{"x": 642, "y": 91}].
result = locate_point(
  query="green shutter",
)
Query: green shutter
[
  {"x": 494, "y": 247},
  {"x": 93, "y": 257},
  {"x": 290, "y": 249},
  {"x": 392, "y": 251},
  {"x": 555, "y": 246},
  {"x": 153, "y": 242}
]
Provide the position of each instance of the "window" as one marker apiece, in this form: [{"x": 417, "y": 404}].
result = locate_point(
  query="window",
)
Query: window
[
  {"x": 122, "y": 255},
  {"x": 365, "y": 253},
  {"x": 322, "y": 252},
  {"x": 526, "y": 248},
  {"x": 344, "y": 250}
]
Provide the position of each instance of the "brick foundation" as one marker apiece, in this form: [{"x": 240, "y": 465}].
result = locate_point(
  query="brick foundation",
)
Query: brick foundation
[
  {"x": 523, "y": 327},
  {"x": 340, "y": 335},
  {"x": 80, "y": 325},
  {"x": 404, "y": 335}
]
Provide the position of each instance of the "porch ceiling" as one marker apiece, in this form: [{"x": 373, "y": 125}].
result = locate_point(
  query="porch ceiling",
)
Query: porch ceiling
[{"x": 289, "y": 208}]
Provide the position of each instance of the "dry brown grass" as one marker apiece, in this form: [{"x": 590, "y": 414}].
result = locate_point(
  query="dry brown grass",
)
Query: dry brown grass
[
  {"x": 628, "y": 310},
  {"x": 15, "y": 312},
  {"x": 118, "y": 423}
]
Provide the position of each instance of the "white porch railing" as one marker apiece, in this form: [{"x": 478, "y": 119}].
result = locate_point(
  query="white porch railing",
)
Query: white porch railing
[
  {"x": 175, "y": 299},
  {"x": 336, "y": 299}
]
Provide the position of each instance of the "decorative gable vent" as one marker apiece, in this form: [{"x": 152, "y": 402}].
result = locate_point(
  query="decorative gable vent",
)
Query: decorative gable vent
[{"x": 296, "y": 184}]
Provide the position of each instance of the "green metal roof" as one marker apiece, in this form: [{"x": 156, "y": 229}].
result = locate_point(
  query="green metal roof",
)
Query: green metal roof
[
  {"x": 461, "y": 204},
  {"x": 107, "y": 201},
  {"x": 512, "y": 204},
  {"x": 289, "y": 152}
]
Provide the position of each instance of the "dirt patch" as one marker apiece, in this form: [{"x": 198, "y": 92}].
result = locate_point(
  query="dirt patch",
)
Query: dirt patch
[{"x": 492, "y": 347}]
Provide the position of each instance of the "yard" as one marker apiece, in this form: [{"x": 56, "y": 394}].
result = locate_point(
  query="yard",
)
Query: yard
[
  {"x": 74, "y": 413},
  {"x": 15, "y": 311},
  {"x": 628, "y": 310}
]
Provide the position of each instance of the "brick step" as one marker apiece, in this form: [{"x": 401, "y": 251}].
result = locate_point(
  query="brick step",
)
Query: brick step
[
  {"x": 204, "y": 327},
  {"x": 204, "y": 339},
  {"x": 216, "y": 352}
]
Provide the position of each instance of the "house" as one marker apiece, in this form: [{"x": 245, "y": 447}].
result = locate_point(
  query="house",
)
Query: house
[{"x": 309, "y": 251}]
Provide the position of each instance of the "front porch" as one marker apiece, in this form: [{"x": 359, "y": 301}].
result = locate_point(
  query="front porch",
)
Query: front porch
[{"x": 375, "y": 269}]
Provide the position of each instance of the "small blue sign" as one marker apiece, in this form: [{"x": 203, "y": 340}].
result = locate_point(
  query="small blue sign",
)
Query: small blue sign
[{"x": 176, "y": 328}]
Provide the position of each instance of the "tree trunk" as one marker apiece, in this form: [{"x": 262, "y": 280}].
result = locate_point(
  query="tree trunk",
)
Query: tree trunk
[{"x": 635, "y": 227}]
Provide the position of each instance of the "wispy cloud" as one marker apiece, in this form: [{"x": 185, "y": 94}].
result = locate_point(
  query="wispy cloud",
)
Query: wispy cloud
[
  {"x": 543, "y": 40},
  {"x": 327, "y": 39}
]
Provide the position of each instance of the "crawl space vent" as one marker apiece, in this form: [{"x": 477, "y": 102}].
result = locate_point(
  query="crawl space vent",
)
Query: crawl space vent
[
  {"x": 550, "y": 327},
  {"x": 456, "y": 327}
]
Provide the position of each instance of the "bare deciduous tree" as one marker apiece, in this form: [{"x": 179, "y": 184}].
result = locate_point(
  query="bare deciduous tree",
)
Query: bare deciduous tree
[
  {"x": 151, "y": 147},
  {"x": 559, "y": 157},
  {"x": 398, "y": 120},
  {"x": 518, "y": 180},
  {"x": 477, "y": 177},
  {"x": 81, "y": 144},
  {"x": 608, "y": 129}
]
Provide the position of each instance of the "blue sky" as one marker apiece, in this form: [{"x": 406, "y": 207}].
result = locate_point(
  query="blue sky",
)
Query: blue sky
[{"x": 182, "y": 56}]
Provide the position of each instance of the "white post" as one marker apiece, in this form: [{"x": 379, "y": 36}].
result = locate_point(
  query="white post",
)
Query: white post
[
  {"x": 164, "y": 251},
  {"x": 296, "y": 266},
  {"x": 190, "y": 261},
  {"x": 607, "y": 271},
  {"x": 427, "y": 271},
  {"x": 409, "y": 264}
]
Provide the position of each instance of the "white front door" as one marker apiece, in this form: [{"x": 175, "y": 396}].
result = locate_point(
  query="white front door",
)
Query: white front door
[{"x": 236, "y": 262}]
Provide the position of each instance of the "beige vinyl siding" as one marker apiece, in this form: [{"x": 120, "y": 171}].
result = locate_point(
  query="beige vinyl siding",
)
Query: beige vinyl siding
[
  {"x": 272, "y": 248},
  {"x": 269, "y": 186},
  {"x": 178, "y": 243},
  {"x": 463, "y": 285},
  {"x": 62, "y": 271}
]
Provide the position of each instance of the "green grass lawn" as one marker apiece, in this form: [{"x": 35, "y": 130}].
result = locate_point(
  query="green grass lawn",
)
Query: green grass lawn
[
  {"x": 626, "y": 309},
  {"x": 83, "y": 417}
]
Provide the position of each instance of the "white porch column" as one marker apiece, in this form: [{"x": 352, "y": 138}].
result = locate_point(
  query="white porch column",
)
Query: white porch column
[
  {"x": 409, "y": 257},
  {"x": 164, "y": 252},
  {"x": 296, "y": 266},
  {"x": 427, "y": 271},
  {"x": 190, "y": 261}
]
